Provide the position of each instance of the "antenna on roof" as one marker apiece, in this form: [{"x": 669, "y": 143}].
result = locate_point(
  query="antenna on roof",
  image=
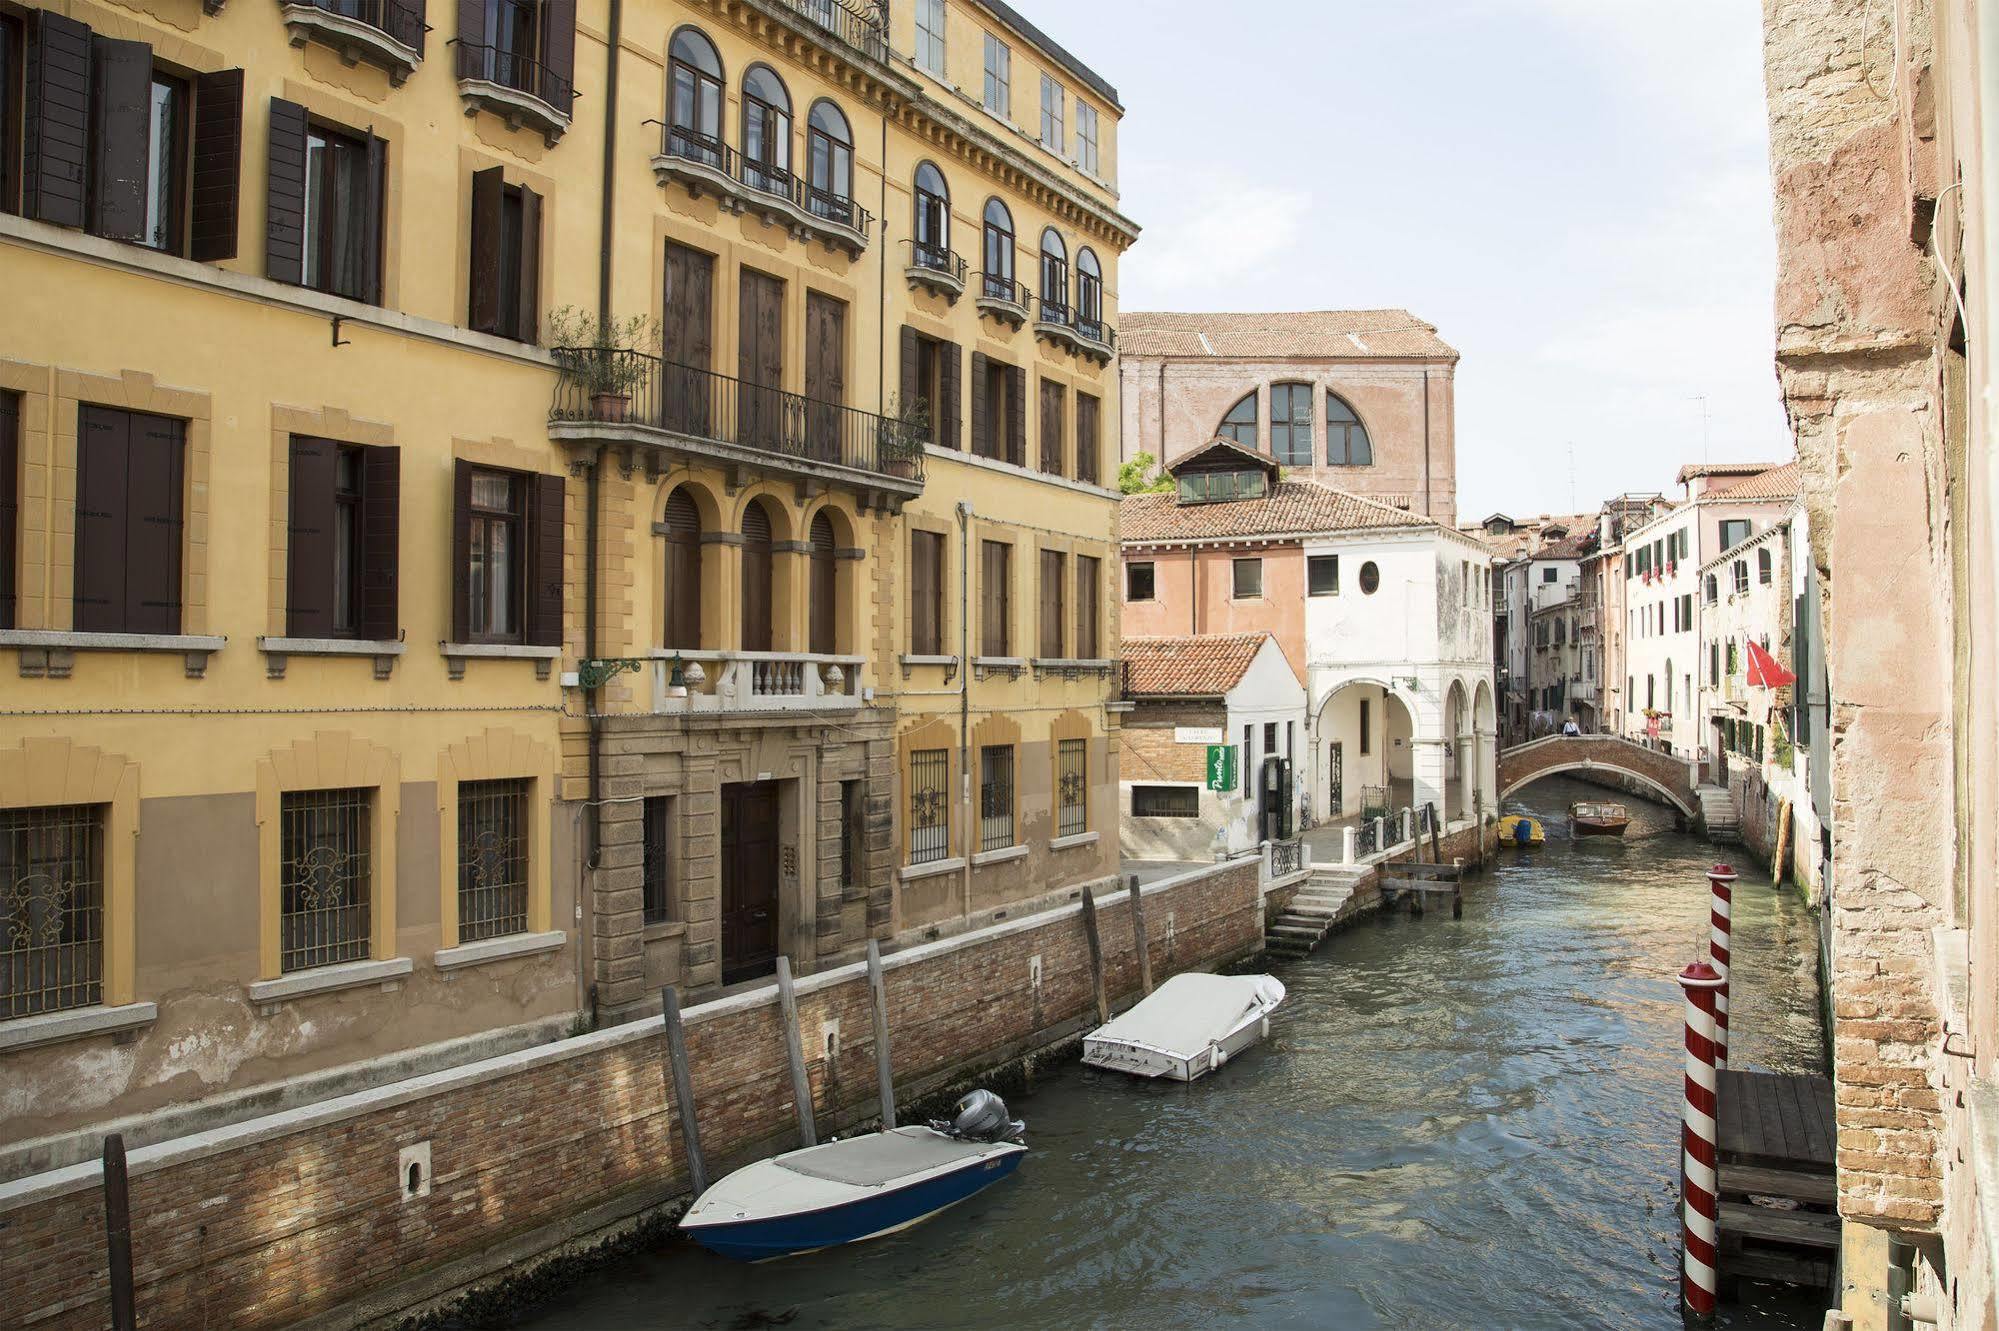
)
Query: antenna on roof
[
  {"x": 1706, "y": 451},
  {"x": 1572, "y": 475}
]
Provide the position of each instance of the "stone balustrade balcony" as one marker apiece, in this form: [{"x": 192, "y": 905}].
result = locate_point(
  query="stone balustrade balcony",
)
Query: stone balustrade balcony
[{"x": 713, "y": 683}]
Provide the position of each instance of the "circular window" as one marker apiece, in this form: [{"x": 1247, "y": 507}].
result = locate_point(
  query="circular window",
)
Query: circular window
[{"x": 1370, "y": 578}]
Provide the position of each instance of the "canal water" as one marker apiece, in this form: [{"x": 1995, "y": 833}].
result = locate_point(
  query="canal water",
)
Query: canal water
[{"x": 1455, "y": 1123}]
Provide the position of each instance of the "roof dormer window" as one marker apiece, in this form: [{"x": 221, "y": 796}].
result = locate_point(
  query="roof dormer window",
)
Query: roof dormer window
[{"x": 1214, "y": 487}]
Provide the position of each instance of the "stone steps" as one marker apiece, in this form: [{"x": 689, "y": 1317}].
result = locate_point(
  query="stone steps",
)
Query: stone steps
[
  {"x": 1310, "y": 916},
  {"x": 1718, "y": 815}
]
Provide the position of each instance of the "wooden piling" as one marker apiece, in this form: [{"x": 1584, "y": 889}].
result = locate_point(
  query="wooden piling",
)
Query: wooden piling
[
  {"x": 1458, "y": 888},
  {"x": 794, "y": 1050},
  {"x": 1138, "y": 934},
  {"x": 683, "y": 1088},
  {"x": 884, "y": 1068},
  {"x": 118, "y": 1234},
  {"x": 1436, "y": 840},
  {"x": 1096, "y": 956}
]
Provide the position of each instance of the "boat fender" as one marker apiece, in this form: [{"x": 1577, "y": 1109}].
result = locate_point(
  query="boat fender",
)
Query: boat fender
[
  {"x": 1264, "y": 1033},
  {"x": 1217, "y": 1056}
]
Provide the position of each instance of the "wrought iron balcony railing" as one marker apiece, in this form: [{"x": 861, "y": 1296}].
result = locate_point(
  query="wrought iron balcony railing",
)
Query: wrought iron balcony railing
[
  {"x": 947, "y": 262},
  {"x": 994, "y": 286},
  {"x": 397, "y": 19},
  {"x": 861, "y": 24},
  {"x": 617, "y": 386},
  {"x": 524, "y": 74},
  {"x": 807, "y": 203}
]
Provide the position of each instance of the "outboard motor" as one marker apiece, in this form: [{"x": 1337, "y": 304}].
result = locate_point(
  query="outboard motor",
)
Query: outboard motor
[{"x": 982, "y": 1117}]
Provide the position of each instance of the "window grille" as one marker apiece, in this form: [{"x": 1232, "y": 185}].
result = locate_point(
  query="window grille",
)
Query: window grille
[
  {"x": 996, "y": 797},
  {"x": 325, "y": 877},
  {"x": 1072, "y": 788},
  {"x": 1165, "y": 801},
  {"x": 492, "y": 859},
  {"x": 658, "y": 860},
  {"x": 929, "y": 806},
  {"x": 51, "y": 909}
]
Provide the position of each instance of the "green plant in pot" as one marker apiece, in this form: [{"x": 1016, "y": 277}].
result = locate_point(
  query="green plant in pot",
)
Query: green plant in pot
[{"x": 607, "y": 359}]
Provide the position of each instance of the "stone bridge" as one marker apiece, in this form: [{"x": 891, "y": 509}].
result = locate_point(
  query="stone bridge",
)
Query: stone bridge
[{"x": 1672, "y": 778}]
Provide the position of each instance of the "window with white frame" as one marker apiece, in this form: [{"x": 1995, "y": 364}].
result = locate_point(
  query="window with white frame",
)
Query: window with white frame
[
  {"x": 999, "y": 77},
  {"x": 1088, "y": 155},
  {"x": 930, "y": 36},
  {"x": 1054, "y": 104}
]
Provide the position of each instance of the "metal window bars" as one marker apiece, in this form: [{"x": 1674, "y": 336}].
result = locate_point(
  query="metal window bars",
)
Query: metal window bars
[
  {"x": 995, "y": 797},
  {"x": 658, "y": 859},
  {"x": 929, "y": 808},
  {"x": 324, "y": 862},
  {"x": 492, "y": 859},
  {"x": 51, "y": 909},
  {"x": 1072, "y": 788}
]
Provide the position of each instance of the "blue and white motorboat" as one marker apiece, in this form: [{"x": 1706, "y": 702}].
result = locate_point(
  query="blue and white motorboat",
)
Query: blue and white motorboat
[{"x": 860, "y": 1188}]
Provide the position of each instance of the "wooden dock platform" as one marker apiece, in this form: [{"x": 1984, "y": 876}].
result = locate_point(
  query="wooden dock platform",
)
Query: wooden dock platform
[
  {"x": 1416, "y": 882},
  {"x": 1776, "y": 1141}
]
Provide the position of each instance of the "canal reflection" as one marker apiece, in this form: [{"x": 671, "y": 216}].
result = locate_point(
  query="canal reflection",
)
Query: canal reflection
[{"x": 1468, "y": 1123}]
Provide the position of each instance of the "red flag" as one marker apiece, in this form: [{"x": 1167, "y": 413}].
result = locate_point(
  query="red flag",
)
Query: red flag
[{"x": 1764, "y": 672}]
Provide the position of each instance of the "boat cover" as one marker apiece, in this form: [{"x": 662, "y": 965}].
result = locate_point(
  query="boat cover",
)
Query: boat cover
[
  {"x": 1191, "y": 1011},
  {"x": 881, "y": 1157}
]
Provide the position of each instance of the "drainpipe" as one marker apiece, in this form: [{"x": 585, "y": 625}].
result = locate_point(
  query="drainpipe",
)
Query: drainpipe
[
  {"x": 965, "y": 693},
  {"x": 881, "y": 284}
]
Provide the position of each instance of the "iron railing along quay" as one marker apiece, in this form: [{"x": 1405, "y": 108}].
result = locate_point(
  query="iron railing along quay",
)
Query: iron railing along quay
[
  {"x": 702, "y": 404},
  {"x": 691, "y": 146},
  {"x": 510, "y": 69},
  {"x": 1366, "y": 838},
  {"x": 397, "y": 19},
  {"x": 1286, "y": 857}
]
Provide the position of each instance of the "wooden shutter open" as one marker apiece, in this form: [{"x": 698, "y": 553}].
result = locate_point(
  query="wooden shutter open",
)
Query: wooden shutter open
[
  {"x": 381, "y": 537},
  {"x": 544, "y": 592},
  {"x": 995, "y": 597},
  {"x": 823, "y": 589},
  {"x": 121, "y": 93},
  {"x": 1051, "y": 428},
  {"x": 926, "y": 565},
  {"x": 489, "y": 195},
  {"x": 372, "y": 205},
  {"x": 309, "y": 564},
  {"x": 528, "y": 329},
  {"x": 57, "y": 139},
  {"x": 756, "y": 599},
  {"x": 10, "y": 507},
  {"x": 102, "y": 466},
  {"x": 461, "y": 550},
  {"x": 284, "y": 195},
  {"x": 682, "y": 617},
  {"x": 216, "y": 180},
  {"x": 1051, "y": 603},
  {"x": 559, "y": 68},
  {"x": 1088, "y": 635},
  {"x": 951, "y": 391},
  {"x": 1087, "y": 468},
  {"x": 982, "y": 425},
  {"x": 474, "y": 57},
  {"x": 154, "y": 516},
  {"x": 912, "y": 389},
  {"x": 1016, "y": 415}
]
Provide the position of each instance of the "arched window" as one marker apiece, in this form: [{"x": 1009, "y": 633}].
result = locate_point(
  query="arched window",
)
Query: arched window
[
  {"x": 1347, "y": 444},
  {"x": 1240, "y": 423},
  {"x": 681, "y": 620},
  {"x": 1763, "y": 566},
  {"x": 766, "y": 131},
  {"x": 1089, "y": 293},
  {"x": 1054, "y": 277},
  {"x": 694, "y": 116},
  {"x": 933, "y": 218},
  {"x": 1291, "y": 424},
  {"x": 829, "y": 157},
  {"x": 757, "y": 603},
  {"x": 825, "y": 585},
  {"x": 999, "y": 251}
]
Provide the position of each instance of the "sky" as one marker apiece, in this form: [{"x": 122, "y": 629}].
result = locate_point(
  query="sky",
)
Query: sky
[{"x": 1575, "y": 192}]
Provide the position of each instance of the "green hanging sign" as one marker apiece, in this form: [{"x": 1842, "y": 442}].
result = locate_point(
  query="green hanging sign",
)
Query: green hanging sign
[{"x": 1221, "y": 767}]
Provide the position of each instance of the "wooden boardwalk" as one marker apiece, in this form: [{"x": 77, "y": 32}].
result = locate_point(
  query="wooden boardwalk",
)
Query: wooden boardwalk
[{"x": 1776, "y": 1141}]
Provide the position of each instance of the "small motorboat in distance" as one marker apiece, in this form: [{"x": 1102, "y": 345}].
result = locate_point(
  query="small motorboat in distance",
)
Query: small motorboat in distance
[
  {"x": 860, "y": 1188},
  {"x": 1598, "y": 818},
  {"x": 1517, "y": 829},
  {"x": 1187, "y": 1027}
]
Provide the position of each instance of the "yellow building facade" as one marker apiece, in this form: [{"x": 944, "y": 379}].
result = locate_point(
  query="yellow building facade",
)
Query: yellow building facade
[{"x": 459, "y": 558}]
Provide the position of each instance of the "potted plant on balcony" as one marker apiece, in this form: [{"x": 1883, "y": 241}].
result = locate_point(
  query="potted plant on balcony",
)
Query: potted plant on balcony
[
  {"x": 903, "y": 433},
  {"x": 603, "y": 360}
]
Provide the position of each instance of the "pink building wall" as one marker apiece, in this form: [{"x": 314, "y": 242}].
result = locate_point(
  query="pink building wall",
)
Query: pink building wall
[{"x": 1191, "y": 594}]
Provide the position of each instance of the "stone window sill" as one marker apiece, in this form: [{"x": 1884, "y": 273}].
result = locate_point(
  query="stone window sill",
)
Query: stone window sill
[
  {"x": 1070, "y": 667},
  {"x": 1071, "y": 842},
  {"x": 457, "y": 653},
  {"x": 497, "y": 949},
  {"x": 664, "y": 929},
  {"x": 328, "y": 979},
  {"x": 909, "y": 873},
  {"x": 1010, "y": 666},
  {"x": 1000, "y": 856},
  {"x": 278, "y": 650},
  {"x": 74, "y": 1024},
  {"x": 949, "y": 664},
  {"x": 51, "y": 652}
]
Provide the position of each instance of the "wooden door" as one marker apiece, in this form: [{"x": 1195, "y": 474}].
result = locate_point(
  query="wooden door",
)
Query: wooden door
[
  {"x": 760, "y": 360},
  {"x": 825, "y": 375},
  {"x": 749, "y": 880},
  {"x": 686, "y": 388},
  {"x": 756, "y": 579},
  {"x": 825, "y": 589}
]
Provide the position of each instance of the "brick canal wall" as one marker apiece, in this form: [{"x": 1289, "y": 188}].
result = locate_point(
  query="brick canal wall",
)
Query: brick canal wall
[{"x": 302, "y": 1217}]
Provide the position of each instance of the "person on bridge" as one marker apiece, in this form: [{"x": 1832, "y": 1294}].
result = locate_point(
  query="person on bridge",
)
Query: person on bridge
[{"x": 1569, "y": 727}]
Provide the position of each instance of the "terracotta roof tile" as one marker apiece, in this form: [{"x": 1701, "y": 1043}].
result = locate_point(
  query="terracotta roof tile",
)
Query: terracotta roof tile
[
  {"x": 1312, "y": 334},
  {"x": 1292, "y": 508},
  {"x": 1696, "y": 470},
  {"x": 1773, "y": 483},
  {"x": 1188, "y": 667}
]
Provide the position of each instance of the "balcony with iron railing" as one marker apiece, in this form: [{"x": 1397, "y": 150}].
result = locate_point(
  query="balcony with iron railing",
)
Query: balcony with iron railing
[
  {"x": 859, "y": 23},
  {"x": 385, "y": 33},
  {"x": 618, "y": 396},
  {"x": 520, "y": 89},
  {"x": 1003, "y": 299},
  {"x": 934, "y": 269},
  {"x": 709, "y": 682},
  {"x": 705, "y": 164}
]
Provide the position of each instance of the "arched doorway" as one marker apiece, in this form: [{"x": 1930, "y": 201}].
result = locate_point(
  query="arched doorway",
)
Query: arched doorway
[
  {"x": 757, "y": 599},
  {"x": 1461, "y": 757},
  {"x": 680, "y": 615},
  {"x": 1364, "y": 757},
  {"x": 1485, "y": 727}
]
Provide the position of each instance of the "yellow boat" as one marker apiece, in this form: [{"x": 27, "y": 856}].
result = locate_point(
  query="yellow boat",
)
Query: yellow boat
[{"x": 1517, "y": 829}]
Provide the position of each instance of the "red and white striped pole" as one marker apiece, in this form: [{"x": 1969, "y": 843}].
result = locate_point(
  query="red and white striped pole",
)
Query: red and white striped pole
[
  {"x": 1698, "y": 1183},
  {"x": 1720, "y": 906}
]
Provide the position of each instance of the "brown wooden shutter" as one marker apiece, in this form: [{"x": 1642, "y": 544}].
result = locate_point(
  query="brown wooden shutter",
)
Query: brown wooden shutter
[
  {"x": 682, "y": 620},
  {"x": 57, "y": 135},
  {"x": 544, "y": 591},
  {"x": 912, "y": 391},
  {"x": 461, "y": 550},
  {"x": 925, "y": 579},
  {"x": 489, "y": 194},
  {"x": 1086, "y": 439},
  {"x": 1051, "y": 428},
  {"x": 1051, "y": 603},
  {"x": 381, "y": 542},
  {"x": 153, "y": 540},
  {"x": 952, "y": 393},
  {"x": 1016, "y": 415},
  {"x": 982, "y": 425},
  {"x": 995, "y": 596},
  {"x": 373, "y": 203},
  {"x": 284, "y": 198},
  {"x": 474, "y": 57},
  {"x": 10, "y": 506},
  {"x": 309, "y": 581},
  {"x": 121, "y": 91},
  {"x": 1088, "y": 582},
  {"x": 529, "y": 327},
  {"x": 217, "y": 177},
  {"x": 824, "y": 589},
  {"x": 756, "y": 579},
  {"x": 103, "y": 461},
  {"x": 559, "y": 71}
]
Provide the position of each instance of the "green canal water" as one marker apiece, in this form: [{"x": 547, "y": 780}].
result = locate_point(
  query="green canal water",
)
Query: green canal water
[{"x": 1455, "y": 1123}]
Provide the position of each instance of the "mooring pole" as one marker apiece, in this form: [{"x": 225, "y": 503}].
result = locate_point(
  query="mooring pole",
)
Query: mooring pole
[
  {"x": 1721, "y": 899},
  {"x": 683, "y": 1087},
  {"x": 1699, "y": 1183},
  {"x": 1138, "y": 934},
  {"x": 884, "y": 1068},
  {"x": 794, "y": 1050},
  {"x": 1096, "y": 955},
  {"x": 1436, "y": 842},
  {"x": 118, "y": 1234}
]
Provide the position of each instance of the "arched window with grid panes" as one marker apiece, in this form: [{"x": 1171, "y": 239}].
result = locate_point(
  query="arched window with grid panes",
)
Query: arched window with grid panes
[{"x": 1347, "y": 444}]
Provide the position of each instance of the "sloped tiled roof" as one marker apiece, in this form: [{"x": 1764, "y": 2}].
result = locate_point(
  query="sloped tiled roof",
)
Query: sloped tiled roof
[
  {"x": 1526, "y": 538},
  {"x": 1189, "y": 667},
  {"x": 1311, "y": 334},
  {"x": 1695, "y": 470},
  {"x": 1773, "y": 483},
  {"x": 1225, "y": 448},
  {"x": 1292, "y": 508}
]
